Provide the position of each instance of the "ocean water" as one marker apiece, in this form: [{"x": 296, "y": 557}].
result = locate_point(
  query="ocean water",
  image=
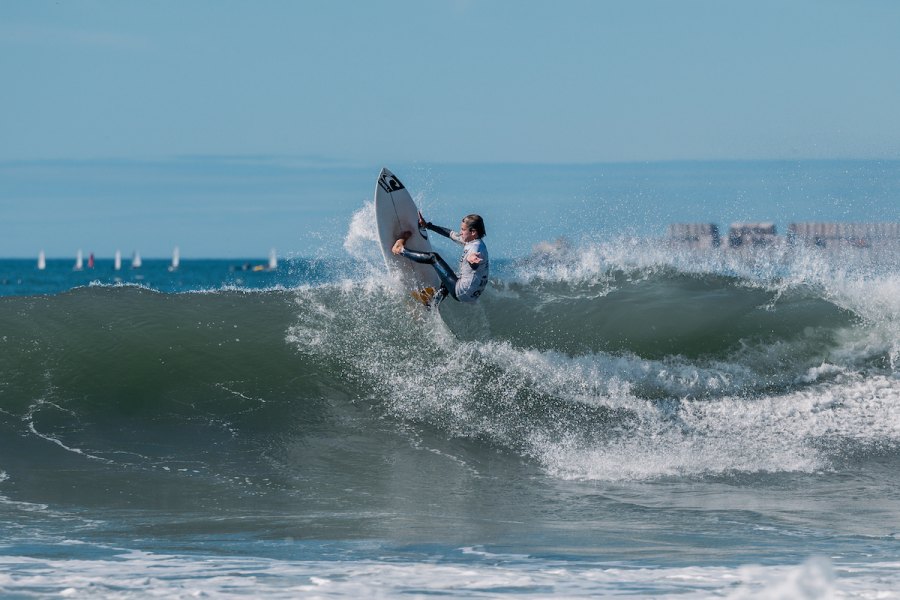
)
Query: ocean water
[{"x": 619, "y": 418}]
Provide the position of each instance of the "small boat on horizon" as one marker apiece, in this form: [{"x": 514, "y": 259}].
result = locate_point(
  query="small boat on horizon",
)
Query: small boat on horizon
[
  {"x": 117, "y": 261},
  {"x": 79, "y": 261},
  {"x": 42, "y": 261},
  {"x": 272, "y": 265},
  {"x": 136, "y": 261}
]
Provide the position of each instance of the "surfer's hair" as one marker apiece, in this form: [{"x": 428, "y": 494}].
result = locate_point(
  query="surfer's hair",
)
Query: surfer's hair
[{"x": 475, "y": 222}]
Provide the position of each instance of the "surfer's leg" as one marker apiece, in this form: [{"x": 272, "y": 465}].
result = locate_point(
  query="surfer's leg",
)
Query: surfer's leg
[
  {"x": 448, "y": 277},
  {"x": 446, "y": 274},
  {"x": 439, "y": 295},
  {"x": 426, "y": 258}
]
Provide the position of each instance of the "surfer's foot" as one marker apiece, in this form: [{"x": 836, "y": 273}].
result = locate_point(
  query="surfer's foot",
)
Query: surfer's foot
[
  {"x": 400, "y": 244},
  {"x": 424, "y": 295}
]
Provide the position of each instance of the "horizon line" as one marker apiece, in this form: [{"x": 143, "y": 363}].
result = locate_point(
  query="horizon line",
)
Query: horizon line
[{"x": 323, "y": 163}]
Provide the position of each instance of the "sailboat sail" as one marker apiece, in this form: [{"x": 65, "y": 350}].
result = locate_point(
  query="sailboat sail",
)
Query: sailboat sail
[
  {"x": 79, "y": 261},
  {"x": 42, "y": 261},
  {"x": 136, "y": 260},
  {"x": 273, "y": 260},
  {"x": 117, "y": 261},
  {"x": 176, "y": 259}
]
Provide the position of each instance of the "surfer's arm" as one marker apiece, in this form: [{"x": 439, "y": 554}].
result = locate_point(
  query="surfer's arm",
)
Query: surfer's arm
[
  {"x": 443, "y": 231},
  {"x": 449, "y": 233},
  {"x": 435, "y": 228},
  {"x": 438, "y": 229}
]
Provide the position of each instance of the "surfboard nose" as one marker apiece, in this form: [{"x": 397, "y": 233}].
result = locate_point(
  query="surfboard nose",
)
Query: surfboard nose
[{"x": 389, "y": 181}]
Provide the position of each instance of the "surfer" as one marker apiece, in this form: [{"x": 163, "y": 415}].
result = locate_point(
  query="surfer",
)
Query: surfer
[{"x": 469, "y": 283}]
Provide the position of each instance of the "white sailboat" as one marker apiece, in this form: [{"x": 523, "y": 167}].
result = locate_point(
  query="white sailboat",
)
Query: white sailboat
[
  {"x": 79, "y": 261},
  {"x": 176, "y": 259},
  {"x": 136, "y": 260},
  {"x": 117, "y": 261},
  {"x": 42, "y": 261}
]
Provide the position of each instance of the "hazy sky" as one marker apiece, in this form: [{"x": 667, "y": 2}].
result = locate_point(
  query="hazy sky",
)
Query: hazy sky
[
  {"x": 464, "y": 80},
  {"x": 152, "y": 122}
]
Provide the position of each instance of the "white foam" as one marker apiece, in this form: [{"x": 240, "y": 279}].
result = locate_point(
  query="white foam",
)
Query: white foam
[
  {"x": 25, "y": 506},
  {"x": 792, "y": 432},
  {"x": 838, "y": 274},
  {"x": 674, "y": 416},
  {"x": 140, "y": 574},
  {"x": 786, "y": 432},
  {"x": 362, "y": 233}
]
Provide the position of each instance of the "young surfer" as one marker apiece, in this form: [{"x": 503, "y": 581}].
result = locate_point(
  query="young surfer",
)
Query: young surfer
[{"x": 473, "y": 264}]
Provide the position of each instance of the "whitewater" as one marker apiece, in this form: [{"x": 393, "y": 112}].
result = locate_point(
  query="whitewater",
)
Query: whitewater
[{"x": 616, "y": 417}]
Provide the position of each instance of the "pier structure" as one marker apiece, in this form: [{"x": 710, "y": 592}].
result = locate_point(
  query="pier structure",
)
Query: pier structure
[
  {"x": 764, "y": 234},
  {"x": 695, "y": 235},
  {"x": 824, "y": 234},
  {"x": 743, "y": 235}
]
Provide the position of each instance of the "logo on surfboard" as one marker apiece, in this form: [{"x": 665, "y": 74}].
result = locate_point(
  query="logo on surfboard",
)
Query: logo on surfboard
[{"x": 389, "y": 183}]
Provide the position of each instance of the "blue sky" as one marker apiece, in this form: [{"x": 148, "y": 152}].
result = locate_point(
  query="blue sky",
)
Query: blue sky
[
  {"x": 361, "y": 84},
  {"x": 451, "y": 81}
]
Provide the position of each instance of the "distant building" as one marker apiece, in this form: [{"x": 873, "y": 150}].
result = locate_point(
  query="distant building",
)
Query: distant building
[
  {"x": 695, "y": 235},
  {"x": 742, "y": 235},
  {"x": 823, "y": 234}
]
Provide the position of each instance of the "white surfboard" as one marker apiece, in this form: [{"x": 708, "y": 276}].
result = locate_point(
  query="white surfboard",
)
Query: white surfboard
[{"x": 395, "y": 213}]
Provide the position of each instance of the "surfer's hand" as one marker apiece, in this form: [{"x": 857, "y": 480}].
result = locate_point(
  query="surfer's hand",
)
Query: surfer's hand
[
  {"x": 474, "y": 258},
  {"x": 399, "y": 245},
  {"x": 421, "y": 219}
]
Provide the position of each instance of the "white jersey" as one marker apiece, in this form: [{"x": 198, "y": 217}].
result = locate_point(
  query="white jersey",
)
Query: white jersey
[{"x": 472, "y": 278}]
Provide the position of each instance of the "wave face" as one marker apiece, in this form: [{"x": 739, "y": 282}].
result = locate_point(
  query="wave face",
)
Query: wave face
[{"x": 600, "y": 364}]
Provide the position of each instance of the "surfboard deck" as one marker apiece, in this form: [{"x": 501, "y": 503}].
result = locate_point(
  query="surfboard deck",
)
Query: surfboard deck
[{"x": 396, "y": 213}]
